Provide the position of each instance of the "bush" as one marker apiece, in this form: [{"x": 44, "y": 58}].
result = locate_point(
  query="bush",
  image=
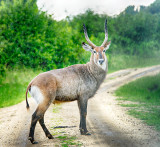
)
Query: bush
[{"x": 34, "y": 39}]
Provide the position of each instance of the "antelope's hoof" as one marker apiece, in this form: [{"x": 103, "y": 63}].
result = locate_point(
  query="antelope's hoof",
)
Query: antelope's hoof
[
  {"x": 84, "y": 132},
  {"x": 50, "y": 136},
  {"x": 87, "y": 133},
  {"x": 32, "y": 140}
]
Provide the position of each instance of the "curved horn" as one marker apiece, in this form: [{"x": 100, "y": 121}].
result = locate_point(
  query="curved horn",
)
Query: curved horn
[
  {"x": 106, "y": 35},
  {"x": 87, "y": 38}
]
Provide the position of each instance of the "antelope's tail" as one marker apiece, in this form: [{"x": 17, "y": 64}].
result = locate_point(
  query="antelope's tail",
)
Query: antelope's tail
[{"x": 27, "y": 104}]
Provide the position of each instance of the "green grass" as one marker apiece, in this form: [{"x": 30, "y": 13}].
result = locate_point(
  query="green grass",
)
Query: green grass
[
  {"x": 146, "y": 93},
  {"x": 120, "y": 61},
  {"x": 57, "y": 108},
  {"x": 13, "y": 86},
  {"x": 67, "y": 141},
  {"x": 129, "y": 105},
  {"x": 152, "y": 118}
]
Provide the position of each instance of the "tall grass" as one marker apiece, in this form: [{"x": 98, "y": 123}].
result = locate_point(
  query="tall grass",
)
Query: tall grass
[
  {"x": 14, "y": 84},
  {"x": 146, "y": 93},
  {"x": 123, "y": 61}
]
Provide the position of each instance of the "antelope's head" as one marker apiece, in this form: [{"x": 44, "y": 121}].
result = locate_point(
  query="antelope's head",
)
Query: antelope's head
[{"x": 97, "y": 51}]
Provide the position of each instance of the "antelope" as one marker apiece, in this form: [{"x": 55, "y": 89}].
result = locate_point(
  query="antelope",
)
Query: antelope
[{"x": 77, "y": 82}]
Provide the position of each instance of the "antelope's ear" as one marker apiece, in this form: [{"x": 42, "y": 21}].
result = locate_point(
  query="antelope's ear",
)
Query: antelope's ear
[
  {"x": 86, "y": 47},
  {"x": 107, "y": 45}
]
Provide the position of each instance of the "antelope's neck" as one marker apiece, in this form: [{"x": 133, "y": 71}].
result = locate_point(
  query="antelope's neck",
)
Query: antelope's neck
[{"x": 98, "y": 72}]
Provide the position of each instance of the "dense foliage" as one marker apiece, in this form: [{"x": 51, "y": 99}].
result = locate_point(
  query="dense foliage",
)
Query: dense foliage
[{"x": 31, "y": 38}]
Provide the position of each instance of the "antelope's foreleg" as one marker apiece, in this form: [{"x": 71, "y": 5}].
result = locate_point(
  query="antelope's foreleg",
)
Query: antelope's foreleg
[{"x": 82, "y": 104}]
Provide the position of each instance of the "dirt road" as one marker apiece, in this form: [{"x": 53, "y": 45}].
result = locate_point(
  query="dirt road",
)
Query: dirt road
[{"x": 108, "y": 123}]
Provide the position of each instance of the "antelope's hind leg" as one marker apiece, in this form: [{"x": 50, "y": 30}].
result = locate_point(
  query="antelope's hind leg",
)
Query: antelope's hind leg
[
  {"x": 38, "y": 115},
  {"x": 34, "y": 120},
  {"x": 48, "y": 134}
]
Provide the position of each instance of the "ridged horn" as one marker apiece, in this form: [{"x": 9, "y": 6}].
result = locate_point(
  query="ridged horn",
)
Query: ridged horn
[
  {"x": 87, "y": 38},
  {"x": 106, "y": 35}
]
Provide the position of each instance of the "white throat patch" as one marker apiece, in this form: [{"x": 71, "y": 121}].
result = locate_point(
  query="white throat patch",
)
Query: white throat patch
[{"x": 103, "y": 66}]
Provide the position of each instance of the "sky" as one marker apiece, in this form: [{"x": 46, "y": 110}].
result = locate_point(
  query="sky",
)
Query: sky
[{"x": 62, "y": 8}]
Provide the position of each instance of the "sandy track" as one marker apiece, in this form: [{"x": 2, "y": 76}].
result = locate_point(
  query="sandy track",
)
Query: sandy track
[{"x": 108, "y": 123}]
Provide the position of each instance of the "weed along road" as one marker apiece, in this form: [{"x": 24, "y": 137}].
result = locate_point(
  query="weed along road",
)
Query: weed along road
[{"x": 108, "y": 122}]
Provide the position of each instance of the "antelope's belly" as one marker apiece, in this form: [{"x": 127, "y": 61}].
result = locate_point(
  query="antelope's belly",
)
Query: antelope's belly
[{"x": 66, "y": 94}]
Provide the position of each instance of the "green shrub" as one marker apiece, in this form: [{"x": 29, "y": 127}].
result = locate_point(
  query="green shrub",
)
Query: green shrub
[{"x": 34, "y": 39}]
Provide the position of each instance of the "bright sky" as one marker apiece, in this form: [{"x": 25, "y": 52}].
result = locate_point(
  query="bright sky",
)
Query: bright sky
[{"x": 63, "y": 8}]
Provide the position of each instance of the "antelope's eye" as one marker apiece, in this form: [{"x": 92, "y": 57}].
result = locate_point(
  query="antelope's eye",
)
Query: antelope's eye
[
  {"x": 104, "y": 51},
  {"x": 94, "y": 51}
]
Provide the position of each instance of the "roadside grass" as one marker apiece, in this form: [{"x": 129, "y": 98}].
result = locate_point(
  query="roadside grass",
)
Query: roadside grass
[
  {"x": 14, "y": 84},
  {"x": 121, "y": 61},
  {"x": 145, "y": 92}
]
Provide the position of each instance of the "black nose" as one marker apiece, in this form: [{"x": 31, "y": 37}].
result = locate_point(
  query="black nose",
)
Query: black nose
[{"x": 101, "y": 61}]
